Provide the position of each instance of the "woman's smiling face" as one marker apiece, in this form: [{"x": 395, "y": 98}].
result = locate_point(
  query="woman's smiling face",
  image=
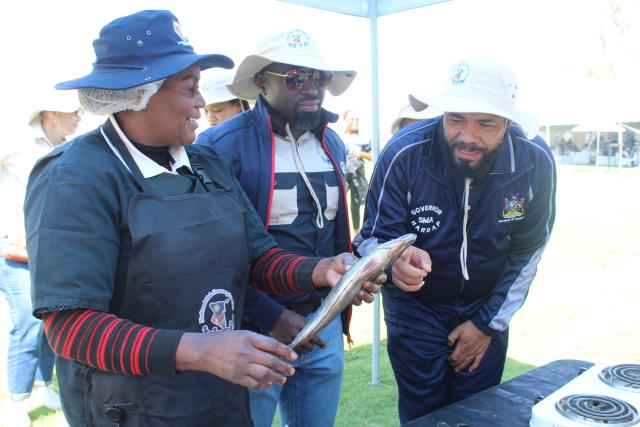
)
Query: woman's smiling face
[{"x": 173, "y": 113}]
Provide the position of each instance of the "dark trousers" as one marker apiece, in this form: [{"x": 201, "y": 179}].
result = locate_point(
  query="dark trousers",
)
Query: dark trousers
[
  {"x": 417, "y": 347},
  {"x": 358, "y": 187},
  {"x": 355, "y": 212}
]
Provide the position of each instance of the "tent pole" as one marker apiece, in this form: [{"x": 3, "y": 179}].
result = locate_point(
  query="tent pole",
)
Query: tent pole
[
  {"x": 620, "y": 146},
  {"x": 547, "y": 133},
  {"x": 375, "y": 148},
  {"x": 597, "y": 146}
]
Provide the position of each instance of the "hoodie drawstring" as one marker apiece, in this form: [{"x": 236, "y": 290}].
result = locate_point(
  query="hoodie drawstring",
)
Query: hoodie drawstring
[
  {"x": 300, "y": 167},
  {"x": 463, "y": 248}
]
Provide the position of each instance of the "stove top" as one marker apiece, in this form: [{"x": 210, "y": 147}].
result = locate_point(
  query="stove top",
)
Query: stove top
[
  {"x": 624, "y": 377},
  {"x": 603, "y": 395}
]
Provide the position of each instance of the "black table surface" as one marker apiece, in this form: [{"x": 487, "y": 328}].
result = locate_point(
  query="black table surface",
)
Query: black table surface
[{"x": 508, "y": 404}]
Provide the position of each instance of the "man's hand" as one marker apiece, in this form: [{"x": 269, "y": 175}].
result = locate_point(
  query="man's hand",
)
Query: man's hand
[
  {"x": 241, "y": 357},
  {"x": 288, "y": 325},
  {"x": 329, "y": 271},
  {"x": 471, "y": 344},
  {"x": 409, "y": 271},
  {"x": 369, "y": 289}
]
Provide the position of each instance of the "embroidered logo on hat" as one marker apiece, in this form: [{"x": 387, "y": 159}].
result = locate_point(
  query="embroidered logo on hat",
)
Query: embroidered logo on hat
[
  {"x": 479, "y": 85},
  {"x": 297, "y": 39},
  {"x": 178, "y": 30},
  {"x": 459, "y": 73},
  {"x": 293, "y": 47}
]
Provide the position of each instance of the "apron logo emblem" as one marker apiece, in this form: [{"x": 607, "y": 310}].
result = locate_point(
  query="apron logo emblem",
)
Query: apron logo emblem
[{"x": 217, "y": 312}]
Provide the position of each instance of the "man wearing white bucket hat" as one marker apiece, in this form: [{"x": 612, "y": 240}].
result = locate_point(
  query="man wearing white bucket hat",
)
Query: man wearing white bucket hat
[
  {"x": 221, "y": 104},
  {"x": 478, "y": 187},
  {"x": 291, "y": 166},
  {"x": 30, "y": 359}
]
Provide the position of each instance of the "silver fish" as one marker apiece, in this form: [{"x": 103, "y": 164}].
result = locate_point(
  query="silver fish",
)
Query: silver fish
[{"x": 366, "y": 269}]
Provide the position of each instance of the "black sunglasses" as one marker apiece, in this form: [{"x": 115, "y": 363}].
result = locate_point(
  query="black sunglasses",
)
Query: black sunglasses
[{"x": 295, "y": 78}]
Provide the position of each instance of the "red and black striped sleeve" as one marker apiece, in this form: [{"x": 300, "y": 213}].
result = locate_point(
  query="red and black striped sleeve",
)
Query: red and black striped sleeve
[
  {"x": 278, "y": 272},
  {"x": 109, "y": 343}
]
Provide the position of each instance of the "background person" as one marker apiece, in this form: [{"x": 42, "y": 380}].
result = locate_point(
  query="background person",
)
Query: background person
[
  {"x": 221, "y": 105},
  {"x": 358, "y": 151},
  {"x": 30, "y": 359},
  {"x": 408, "y": 115},
  {"x": 291, "y": 166},
  {"x": 157, "y": 243},
  {"x": 567, "y": 144},
  {"x": 480, "y": 195}
]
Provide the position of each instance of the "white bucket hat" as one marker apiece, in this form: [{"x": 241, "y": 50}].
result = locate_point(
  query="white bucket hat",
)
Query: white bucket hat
[
  {"x": 55, "y": 100},
  {"x": 479, "y": 86},
  {"x": 407, "y": 112},
  {"x": 213, "y": 85},
  {"x": 293, "y": 47}
]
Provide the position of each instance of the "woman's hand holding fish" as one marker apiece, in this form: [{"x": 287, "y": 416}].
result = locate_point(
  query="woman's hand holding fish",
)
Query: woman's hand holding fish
[
  {"x": 241, "y": 357},
  {"x": 409, "y": 271}
]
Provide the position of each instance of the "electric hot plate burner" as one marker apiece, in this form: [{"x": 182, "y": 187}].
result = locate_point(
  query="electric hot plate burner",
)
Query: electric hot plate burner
[
  {"x": 624, "y": 377},
  {"x": 605, "y": 395},
  {"x": 597, "y": 410}
]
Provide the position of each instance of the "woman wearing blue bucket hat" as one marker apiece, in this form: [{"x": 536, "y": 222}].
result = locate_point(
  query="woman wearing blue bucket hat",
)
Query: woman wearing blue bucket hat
[{"x": 141, "y": 247}]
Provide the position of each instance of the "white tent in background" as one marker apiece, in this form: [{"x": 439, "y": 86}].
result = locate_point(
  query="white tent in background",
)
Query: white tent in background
[
  {"x": 597, "y": 127},
  {"x": 370, "y": 9}
]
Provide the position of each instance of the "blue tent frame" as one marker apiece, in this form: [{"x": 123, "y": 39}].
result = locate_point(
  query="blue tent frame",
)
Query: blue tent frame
[{"x": 370, "y": 9}]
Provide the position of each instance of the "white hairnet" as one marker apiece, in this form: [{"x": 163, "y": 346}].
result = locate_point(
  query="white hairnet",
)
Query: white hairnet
[{"x": 107, "y": 101}]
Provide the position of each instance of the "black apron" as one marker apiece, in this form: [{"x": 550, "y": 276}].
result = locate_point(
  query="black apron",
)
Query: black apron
[{"x": 188, "y": 270}]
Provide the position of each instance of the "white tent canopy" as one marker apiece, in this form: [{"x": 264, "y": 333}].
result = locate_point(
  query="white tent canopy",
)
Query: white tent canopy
[
  {"x": 365, "y": 8},
  {"x": 602, "y": 126},
  {"x": 598, "y": 127}
]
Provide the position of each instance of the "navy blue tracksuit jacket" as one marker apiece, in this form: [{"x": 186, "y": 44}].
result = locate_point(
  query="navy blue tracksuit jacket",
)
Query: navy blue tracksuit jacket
[{"x": 509, "y": 222}]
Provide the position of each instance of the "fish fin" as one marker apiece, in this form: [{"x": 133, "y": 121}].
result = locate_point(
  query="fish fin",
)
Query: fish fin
[{"x": 349, "y": 341}]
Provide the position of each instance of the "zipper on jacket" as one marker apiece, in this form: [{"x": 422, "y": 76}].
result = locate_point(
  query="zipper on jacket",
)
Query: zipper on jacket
[
  {"x": 485, "y": 196},
  {"x": 453, "y": 202}
]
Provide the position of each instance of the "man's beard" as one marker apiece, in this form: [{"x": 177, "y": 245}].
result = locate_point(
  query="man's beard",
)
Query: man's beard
[
  {"x": 464, "y": 167},
  {"x": 306, "y": 121}
]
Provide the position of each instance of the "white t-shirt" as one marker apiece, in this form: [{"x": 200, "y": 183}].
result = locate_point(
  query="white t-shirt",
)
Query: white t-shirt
[{"x": 16, "y": 162}]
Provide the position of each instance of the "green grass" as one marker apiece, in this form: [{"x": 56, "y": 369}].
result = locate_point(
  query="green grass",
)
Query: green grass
[
  {"x": 363, "y": 404},
  {"x": 582, "y": 305},
  {"x": 43, "y": 417},
  {"x": 40, "y": 415}
]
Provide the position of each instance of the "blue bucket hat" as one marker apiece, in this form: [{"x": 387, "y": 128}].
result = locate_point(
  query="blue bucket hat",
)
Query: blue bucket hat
[{"x": 141, "y": 48}]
